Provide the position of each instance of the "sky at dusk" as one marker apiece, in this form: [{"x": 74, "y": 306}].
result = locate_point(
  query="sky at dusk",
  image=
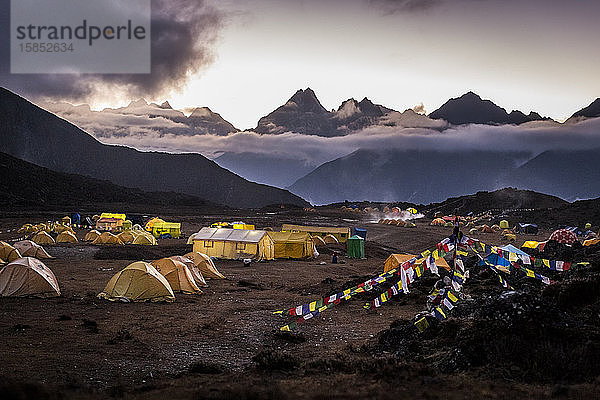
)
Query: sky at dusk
[{"x": 245, "y": 58}]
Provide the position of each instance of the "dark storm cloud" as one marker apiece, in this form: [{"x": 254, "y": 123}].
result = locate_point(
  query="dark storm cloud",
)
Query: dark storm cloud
[{"x": 182, "y": 32}]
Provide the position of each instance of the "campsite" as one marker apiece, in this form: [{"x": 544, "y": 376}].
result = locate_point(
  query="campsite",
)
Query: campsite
[{"x": 225, "y": 342}]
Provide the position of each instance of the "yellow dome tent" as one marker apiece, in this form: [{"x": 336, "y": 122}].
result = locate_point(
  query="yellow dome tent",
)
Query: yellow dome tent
[
  {"x": 29, "y": 248},
  {"x": 28, "y": 276},
  {"x": 43, "y": 237},
  {"x": 66, "y": 237},
  {"x": 145, "y": 239},
  {"x": 107, "y": 238},
  {"x": 91, "y": 235},
  {"x": 177, "y": 274},
  {"x": 196, "y": 274},
  {"x": 127, "y": 236},
  {"x": 8, "y": 253},
  {"x": 504, "y": 224},
  {"x": 438, "y": 222},
  {"x": 138, "y": 282},
  {"x": 205, "y": 264}
]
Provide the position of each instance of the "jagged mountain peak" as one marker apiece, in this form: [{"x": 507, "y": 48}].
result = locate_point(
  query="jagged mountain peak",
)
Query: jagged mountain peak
[
  {"x": 166, "y": 105},
  {"x": 201, "y": 112},
  {"x": 306, "y": 100},
  {"x": 141, "y": 102}
]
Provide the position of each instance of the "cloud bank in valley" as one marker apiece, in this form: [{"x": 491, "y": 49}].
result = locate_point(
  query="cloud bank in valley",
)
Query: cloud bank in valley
[{"x": 159, "y": 133}]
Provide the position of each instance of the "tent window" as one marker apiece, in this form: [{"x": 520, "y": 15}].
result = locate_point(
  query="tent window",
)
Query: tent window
[
  {"x": 209, "y": 243},
  {"x": 343, "y": 235},
  {"x": 240, "y": 246}
]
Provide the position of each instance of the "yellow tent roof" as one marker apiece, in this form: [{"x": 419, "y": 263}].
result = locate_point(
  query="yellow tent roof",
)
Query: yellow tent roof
[
  {"x": 196, "y": 274},
  {"x": 43, "y": 237},
  {"x": 91, "y": 235},
  {"x": 138, "y": 282},
  {"x": 145, "y": 239},
  {"x": 29, "y": 248},
  {"x": 127, "y": 236},
  {"x": 26, "y": 277},
  {"x": 177, "y": 274},
  {"x": 66, "y": 237},
  {"x": 107, "y": 238},
  {"x": 8, "y": 252},
  {"x": 205, "y": 265},
  {"x": 531, "y": 244}
]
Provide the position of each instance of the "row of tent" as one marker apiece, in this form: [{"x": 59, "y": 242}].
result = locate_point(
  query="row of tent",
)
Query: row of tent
[
  {"x": 22, "y": 248},
  {"x": 160, "y": 279},
  {"x": 137, "y": 237},
  {"x": 140, "y": 281},
  {"x": 397, "y": 222}
]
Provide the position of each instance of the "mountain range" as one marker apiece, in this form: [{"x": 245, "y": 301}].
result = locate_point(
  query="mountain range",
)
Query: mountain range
[
  {"x": 472, "y": 109},
  {"x": 37, "y": 136},
  {"x": 392, "y": 174},
  {"x": 430, "y": 176}
]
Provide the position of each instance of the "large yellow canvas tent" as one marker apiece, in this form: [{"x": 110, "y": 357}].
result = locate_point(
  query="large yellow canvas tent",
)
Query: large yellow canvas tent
[
  {"x": 341, "y": 234},
  {"x": 177, "y": 274},
  {"x": 28, "y": 276},
  {"x": 205, "y": 265},
  {"x": 43, "y": 238},
  {"x": 138, "y": 282},
  {"x": 8, "y": 253},
  {"x": 91, "y": 235},
  {"x": 233, "y": 244},
  {"x": 292, "y": 244},
  {"x": 107, "y": 238},
  {"x": 66, "y": 237},
  {"x": 29, "y": 248},
  {"x": 395, "y": 260},
  {"x": 196, "y": 274}
]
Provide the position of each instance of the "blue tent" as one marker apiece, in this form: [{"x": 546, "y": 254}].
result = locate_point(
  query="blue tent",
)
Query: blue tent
[
  {"x": 76, "y": 219},
  {"x": 513, "y": 249},
  {"x": 528, "y": 228},
  {"x": 497, "y": 261},
  {"x": 360, "y": 232}
]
